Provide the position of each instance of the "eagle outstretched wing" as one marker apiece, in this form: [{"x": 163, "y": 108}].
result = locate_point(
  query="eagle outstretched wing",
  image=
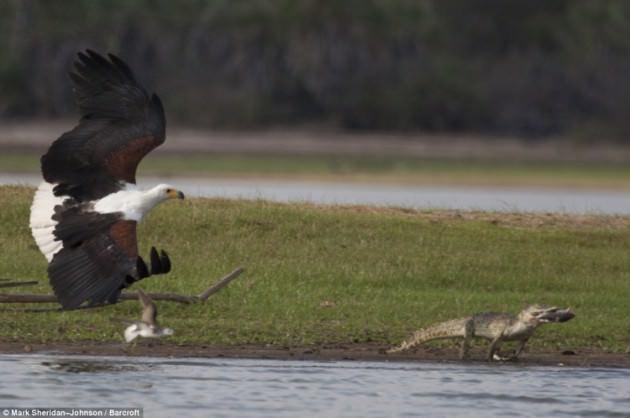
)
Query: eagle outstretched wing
[{"x": 120, "y": 123}]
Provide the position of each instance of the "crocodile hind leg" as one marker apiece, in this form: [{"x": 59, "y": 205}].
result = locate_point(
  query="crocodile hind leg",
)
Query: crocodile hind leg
[{"x": 469, "y": 333}]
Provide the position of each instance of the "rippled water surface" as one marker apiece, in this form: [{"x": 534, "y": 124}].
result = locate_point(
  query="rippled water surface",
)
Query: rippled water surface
[{"x": 271, "y": 388}]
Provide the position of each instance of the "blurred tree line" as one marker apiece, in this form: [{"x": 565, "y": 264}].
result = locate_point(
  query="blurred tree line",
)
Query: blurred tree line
[{"x": 515, "y": 67}]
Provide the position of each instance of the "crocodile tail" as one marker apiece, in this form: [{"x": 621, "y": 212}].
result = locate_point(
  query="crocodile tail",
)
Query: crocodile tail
[{"x": 449, "y": 329}]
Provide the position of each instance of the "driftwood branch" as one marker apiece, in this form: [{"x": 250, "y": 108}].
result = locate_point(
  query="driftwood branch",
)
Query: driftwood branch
[
  {"x": 203, "y": 296},
  {"x": 8, "y": 283},
  {"x": 170, "y": 297}
]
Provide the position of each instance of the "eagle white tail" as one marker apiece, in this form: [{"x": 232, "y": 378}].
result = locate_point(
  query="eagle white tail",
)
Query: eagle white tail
[{"x": 41, "y": 222}]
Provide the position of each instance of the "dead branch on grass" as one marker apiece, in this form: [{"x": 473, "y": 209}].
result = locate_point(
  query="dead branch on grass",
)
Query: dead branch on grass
[
  {"x": 168, "y": 297},
  {"x": 9, "y": 283}
]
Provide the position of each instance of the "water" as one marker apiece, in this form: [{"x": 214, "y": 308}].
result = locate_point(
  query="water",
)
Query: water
[
  {"x": 488, "y": 199},
  {"x": 271, "y": 388}
]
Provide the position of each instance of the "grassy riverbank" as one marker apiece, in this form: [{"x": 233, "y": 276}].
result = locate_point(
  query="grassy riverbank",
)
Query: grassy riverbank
[
  {"x": 330, "y": 275},
  {"x": 404, "y": 171}
]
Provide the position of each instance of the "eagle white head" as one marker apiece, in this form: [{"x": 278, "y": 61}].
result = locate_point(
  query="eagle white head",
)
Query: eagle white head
[
  {"x": 164, "y": 192},
  {"x": 135, "y": 203},
  {"x": 148, "y": 199}
]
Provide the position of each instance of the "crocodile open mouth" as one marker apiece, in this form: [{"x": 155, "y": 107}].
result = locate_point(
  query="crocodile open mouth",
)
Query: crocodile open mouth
[{"x": 557, "y": 315}]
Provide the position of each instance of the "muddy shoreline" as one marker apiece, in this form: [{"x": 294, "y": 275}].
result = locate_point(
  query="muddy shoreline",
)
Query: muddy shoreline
[{"x": 341, "y": 352}]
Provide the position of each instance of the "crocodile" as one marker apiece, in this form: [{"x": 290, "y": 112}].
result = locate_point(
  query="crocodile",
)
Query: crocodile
[{"x": 496, "y": 327}]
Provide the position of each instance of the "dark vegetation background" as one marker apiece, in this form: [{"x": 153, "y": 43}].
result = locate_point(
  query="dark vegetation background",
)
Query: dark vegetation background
[{"x": 528, "y": 68}]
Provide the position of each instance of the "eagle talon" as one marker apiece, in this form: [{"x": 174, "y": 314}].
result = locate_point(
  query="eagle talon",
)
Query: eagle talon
[
  {"x": 156, "y": 264},
  {"x": 143, "y": 270},
  {"x": 160, "y": 262},
  {"x": 165, "y": 261}
]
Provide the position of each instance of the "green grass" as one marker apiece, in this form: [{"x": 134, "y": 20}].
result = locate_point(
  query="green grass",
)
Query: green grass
[
  {"x": 367, "y": 169},
  {"x": 347, "y": 274}
]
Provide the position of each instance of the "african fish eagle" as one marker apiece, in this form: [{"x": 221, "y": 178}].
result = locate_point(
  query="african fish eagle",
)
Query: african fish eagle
[{"x": 84, "y": 214}]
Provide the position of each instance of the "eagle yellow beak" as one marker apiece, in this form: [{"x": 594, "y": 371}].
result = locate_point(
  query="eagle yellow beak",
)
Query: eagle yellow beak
[{"x": 175, "y": 194}]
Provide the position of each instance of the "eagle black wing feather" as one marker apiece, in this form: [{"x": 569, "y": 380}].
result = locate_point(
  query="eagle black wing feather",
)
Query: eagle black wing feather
[
  {"x": 96, "y": 272},
  {"x": 98, "y": 256},
  {"x": 120, "y": 123}
]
